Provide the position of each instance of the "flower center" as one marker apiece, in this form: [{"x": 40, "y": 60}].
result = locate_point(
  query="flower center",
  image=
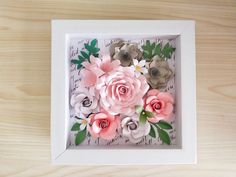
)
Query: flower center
[
  {"x": 154, "y": 72},
  {"x": 158, "y": 105},
  {"x": 104, "y": 123},
  {"x": 138, "y": 68},
  {"x": 122, "y": 90},
  {"x": 86, "y": 102},
  {"x": 84, "y": 121},
  {"x": 132, "y": 126}
]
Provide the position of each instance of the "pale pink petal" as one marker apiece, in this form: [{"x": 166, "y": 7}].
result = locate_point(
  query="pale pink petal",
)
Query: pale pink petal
[
  {"x": 110, "y": 132},
  {"x": 150, "y": 98},
  {"x": 168, "y": 109},
  {"x": 92, "y": 133},
  {"x": 89, "y": 78},
  {"x": 96, "y": 128},
  {"x": 100, "y": 116},
  {"x": 166, "y": 97},
  {"x": 153, "y": 92},
  {"x": 149, "y": 108}
]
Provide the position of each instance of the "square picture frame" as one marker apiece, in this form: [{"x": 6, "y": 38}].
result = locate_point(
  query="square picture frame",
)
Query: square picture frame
[{"x": 183, "y": 152}]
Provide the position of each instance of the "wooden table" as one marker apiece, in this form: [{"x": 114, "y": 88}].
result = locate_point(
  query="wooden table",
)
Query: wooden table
[{"x": 25, "y": 83}]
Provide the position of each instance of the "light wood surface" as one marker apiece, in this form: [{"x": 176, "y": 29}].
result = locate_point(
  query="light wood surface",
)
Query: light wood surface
[{"x": 25, "y": 83}]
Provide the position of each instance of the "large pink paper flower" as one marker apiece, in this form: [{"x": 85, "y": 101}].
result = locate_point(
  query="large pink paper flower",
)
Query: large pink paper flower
[
  {"x": 96, "y": 68},
  {"x": 103, "y": 125},
  {"x": 121, "y": 90},
  {"x": 160, "y": 103}
]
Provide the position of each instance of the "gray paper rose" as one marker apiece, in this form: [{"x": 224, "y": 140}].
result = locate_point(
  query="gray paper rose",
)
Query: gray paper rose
[
  {"x": 125, "y": 52},
  {"x": 159, "y": 73},
  {"x": 133, "y": 129},
  {"x": 84, "y": 101}
]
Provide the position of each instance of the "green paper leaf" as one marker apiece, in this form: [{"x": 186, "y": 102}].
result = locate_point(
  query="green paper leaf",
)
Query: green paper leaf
[
  {"x": 94, "y": 50},
  {"x": 86, "y": 46},
  {"x": 164, "y": 136},
  {"x": 138, "y": 109},
  {"x": 95, "y": 55},
  {"x": 89, "y": 49},
  {"x": 148, "y": 49},
  {"x": 167, "y": 51},
  {"x": 149, "y": 114},
  {"x": 80, "y": 137},
  {"x": 84, "y": 54},
  {"x": 157, "y": 50},
  {"x": 151, "y": 50},
  {"x": 94, "y": 42},
  {"x": 75, "y": 127},
  {"x": 142, "y": 118},
  {"x": 78, "y": 62},
  {"x": 75, "y": 61},
  {"x": 81, "y": 58},
  {"x": 152, "y": 132},
  {"x": 164, "y": 125}
]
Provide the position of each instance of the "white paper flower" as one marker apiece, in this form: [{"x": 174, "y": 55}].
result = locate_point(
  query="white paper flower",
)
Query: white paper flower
[
  {"x": 84, "y": 101},
  {"x": 133, "y": 129},
  {"x": 83, "y": 122},
  {"x": 139, "y": 67}
]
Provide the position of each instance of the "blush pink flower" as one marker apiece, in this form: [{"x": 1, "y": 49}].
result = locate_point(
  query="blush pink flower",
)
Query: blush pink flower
[
  {"x": 160, "y": 103},
  {"x": 121, "y": 90},
  {"x": 96, "y": 68},
  {"x": 103, "y": 125}
]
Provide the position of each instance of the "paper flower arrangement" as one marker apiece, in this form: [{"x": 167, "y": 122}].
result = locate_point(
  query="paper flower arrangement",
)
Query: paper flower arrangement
[{"x": 118, "y": 92}]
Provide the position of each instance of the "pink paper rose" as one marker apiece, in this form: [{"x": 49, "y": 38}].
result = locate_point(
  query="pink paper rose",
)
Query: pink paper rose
[
  {"x": 160, "y": 103},
  {"x": 103, "y": 125},
  {"x": 96, "y": 68},
  {"x": 121, "y": 90}
]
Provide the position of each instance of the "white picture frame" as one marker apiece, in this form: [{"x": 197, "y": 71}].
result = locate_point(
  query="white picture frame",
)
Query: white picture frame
[{"x": 184, "y": 152}]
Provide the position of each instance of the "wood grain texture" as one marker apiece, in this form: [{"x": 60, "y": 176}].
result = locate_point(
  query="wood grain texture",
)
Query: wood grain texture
[{"x": 25, "y": 83}]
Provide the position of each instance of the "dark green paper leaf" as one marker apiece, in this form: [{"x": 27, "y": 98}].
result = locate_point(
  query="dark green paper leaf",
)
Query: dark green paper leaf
[
  {"x": 80, "y": 137},
  {"x": 75, "y": 127},
  {"x": 94, "y": 50},
  {"x": 164, "y": 136},
  {"x": 152, "y": 132},
  {"x": 75, "y": 61},
  {"x": 84, "y": 54},
  {"x": 81, "y": 58},
  {"x": 164, "y": 125},
  {"x": 86, "y": 46},
  {"x": 94, "y": 42}
]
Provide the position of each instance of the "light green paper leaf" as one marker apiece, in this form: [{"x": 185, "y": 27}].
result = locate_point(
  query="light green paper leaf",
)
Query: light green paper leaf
[
  {"x": 149, "y": 114},
  {"x": 138, "y": 109},
  {"x": 80, "y": 137}
]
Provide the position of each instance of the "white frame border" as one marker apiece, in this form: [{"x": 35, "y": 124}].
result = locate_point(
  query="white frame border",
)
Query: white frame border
[{"x": 187, "y": 154}]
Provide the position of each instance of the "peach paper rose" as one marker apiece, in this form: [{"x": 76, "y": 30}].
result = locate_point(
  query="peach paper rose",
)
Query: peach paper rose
[
  {"x": 103, "y": 125},
  {"x": 160, "y": 103},
  {"x": 121, "y": 90}
]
